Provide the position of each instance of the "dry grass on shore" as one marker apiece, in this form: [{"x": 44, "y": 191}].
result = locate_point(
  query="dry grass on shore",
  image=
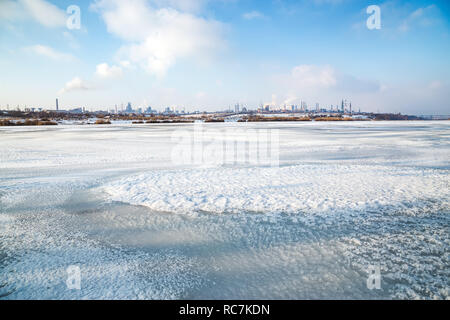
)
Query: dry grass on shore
[
  {"x": 102, "y": 122},
  {"x": 28, "y": 122},
  {"x": 333, "y": 119}
]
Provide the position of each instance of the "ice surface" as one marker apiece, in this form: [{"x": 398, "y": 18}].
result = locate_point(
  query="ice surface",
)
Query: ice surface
[
  {"x": 110, "y": 200},
  {"x": 307, "y": 189}
]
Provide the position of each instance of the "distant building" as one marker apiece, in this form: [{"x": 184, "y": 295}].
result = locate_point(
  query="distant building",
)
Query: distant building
[
  {"x": 304, "y": 106},
  {"x": 57, "y": 105},
  {"x": 77, "y": 110},
  {"x": 129, "y": 109},
  {"x": 149, "y": 110}
]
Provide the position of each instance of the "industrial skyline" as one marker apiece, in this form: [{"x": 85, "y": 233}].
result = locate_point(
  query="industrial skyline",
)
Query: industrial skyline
[{"x": 344, "y": 106}]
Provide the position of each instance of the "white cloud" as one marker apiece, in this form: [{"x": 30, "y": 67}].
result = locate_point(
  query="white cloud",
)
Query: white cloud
[
  {"x": 76, "y": 84},
  {"x": 41, "y": 11},
  {"x": 10, "y": 10},
  {"x": 317, "y": 78},
  {"x": 106, "y": 71},
  {"x": 320, "y": 83},
  {"x": 290, "y": 99},
  {"x": 45, "y": 13},
  {"x": 156, "y": 38},
  {"x": 182, "y": 5},
  {"x": 125, "y": 63},
  {"x": 50, "y": 53},
  {"x": 311, "y": 76},
  {"x": 421, "y": 17},
  {"x": 252, "y": 15},
  {"x": 328, "y": 86}
]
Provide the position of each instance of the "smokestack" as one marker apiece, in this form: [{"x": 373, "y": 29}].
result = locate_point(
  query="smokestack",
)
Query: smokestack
[{"x": 57, "y": 106}]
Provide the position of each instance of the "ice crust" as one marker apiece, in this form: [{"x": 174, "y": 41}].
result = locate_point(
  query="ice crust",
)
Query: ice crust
[
  {"x": 304, "y": 189},
  {"x": 109, "y": 199}
]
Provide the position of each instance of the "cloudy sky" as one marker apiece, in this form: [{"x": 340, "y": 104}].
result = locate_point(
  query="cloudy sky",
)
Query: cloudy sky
[{"x": 210, "y": 54}]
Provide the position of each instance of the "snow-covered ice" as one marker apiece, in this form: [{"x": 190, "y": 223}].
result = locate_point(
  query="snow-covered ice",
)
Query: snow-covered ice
[
  {"x": 110, "y": 200},
  {"x": 307, "y": 189}
]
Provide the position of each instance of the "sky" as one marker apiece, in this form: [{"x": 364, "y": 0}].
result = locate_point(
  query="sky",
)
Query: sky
[{"x": 211, "y": 54}]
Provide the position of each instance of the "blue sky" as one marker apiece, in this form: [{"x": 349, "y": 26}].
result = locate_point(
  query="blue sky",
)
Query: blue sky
[{"x": 208, "y": 55}]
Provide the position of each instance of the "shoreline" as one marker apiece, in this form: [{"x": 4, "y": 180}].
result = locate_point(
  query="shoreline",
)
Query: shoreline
[{"x": 90, "y": 122}]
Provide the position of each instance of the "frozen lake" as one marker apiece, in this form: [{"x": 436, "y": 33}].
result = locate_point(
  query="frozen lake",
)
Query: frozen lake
[{"x": 344, "y": 200}]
